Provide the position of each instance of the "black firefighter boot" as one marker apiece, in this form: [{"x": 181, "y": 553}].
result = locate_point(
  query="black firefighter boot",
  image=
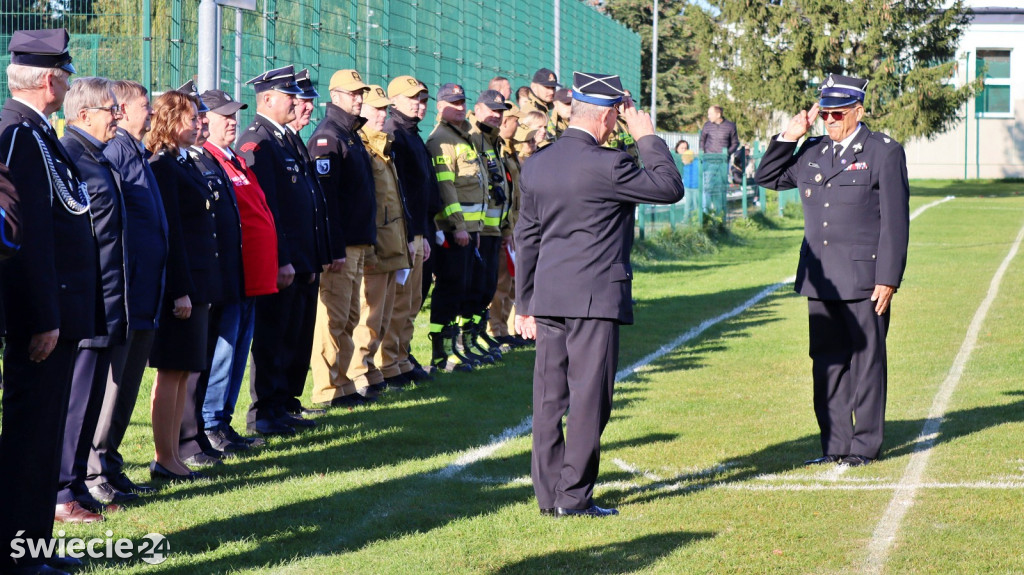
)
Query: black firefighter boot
[
  {"x": 441, "y": 358},
  {"x": 462, "y": 344},
  {"x": 492, "y": 343},
  {"x": 480, "y": 343}
]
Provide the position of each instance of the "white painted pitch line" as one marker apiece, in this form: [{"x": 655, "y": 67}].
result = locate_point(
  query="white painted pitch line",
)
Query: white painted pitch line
[
  {"x": 471, "y": 456},
  {"x": 885, "y": 532}
]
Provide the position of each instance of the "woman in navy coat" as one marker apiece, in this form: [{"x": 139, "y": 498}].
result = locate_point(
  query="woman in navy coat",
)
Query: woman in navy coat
[{"x": 193, "y": 277}]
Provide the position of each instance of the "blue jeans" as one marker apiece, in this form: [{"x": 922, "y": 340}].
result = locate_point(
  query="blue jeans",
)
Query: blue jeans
[{"x": 234, "y": 336}]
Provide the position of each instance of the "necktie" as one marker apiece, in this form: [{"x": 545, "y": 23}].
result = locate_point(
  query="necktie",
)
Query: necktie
[{"x": 838, "y": 151}]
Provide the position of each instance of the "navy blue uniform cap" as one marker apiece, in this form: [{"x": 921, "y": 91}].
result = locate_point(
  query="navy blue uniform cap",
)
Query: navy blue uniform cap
[
  {"x": 189, "y": 88},
  {"x": 41, "y": 49},
  {"x": 280, "y": 79},
  {"x": 220, "y": 102},
  {"x": 597, "y": 89},
  {"x": 841, "y": 91},
  {"x": 306, "y": 85}
]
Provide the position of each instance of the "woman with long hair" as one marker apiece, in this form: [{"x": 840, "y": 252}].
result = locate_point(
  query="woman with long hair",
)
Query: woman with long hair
[{"x": 193, "y": 278}]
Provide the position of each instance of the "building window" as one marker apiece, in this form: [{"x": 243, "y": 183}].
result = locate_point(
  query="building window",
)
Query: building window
[{"x": 994, "y": 99}]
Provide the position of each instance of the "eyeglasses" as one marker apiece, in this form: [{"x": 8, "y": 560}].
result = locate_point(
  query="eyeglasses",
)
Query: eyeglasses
[
  {"x": 834, "y": 114},
  {"x": 114, "y": 110}
]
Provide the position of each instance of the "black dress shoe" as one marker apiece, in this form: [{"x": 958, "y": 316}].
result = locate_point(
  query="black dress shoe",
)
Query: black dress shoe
[
  {"x": 270, "y": 427},
  {"x": 347, "y": 401},
  {"x": 825, "y": 459},
  {"x": 296, "y": 421},
  {"x": 854, "y": 460},
  {"x": 202, "y": 459},
  {"x": 307, "y": 412},
  {"x": 398, "y": 382},
  {"x": 157, "y": 471},
  {"x": 418, "y": 374},
  {"x": 592, "y": 511},
  {"x": 125, "y": 485},
  {"x": 89, "y": 502},
  {"x": 63, "y": 562},
  {"x": 106, "y": 493},
  {"x": 237, "y": 438},
  {"x": 221, "y": 441},
  {"x": 549, "y": 511}
]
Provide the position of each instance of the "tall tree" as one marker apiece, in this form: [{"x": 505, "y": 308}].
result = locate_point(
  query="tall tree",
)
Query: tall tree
[
  {"x": 770, "y": 56},
  {"x": 682, "y": 91}
]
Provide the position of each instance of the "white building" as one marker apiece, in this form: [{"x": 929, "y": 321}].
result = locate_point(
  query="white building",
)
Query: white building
[{"x": 988, "y": 141}]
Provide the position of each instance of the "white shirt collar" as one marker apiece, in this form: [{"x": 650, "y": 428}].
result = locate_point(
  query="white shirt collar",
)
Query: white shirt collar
[
  {"x": 846, "y": 141},
  {"x": 278, "y": 126},
  {"x": 33, "y": 108},
  {"x": 586, "y": 131}
]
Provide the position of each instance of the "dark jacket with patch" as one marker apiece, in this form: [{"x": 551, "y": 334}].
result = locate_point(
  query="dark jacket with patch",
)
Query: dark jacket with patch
[
  {"x": 346, "y": 176},
  {"x": 415, "y": 171},
  {"x": 856, "y": 212},
  {"x": 296, "y": 201}
]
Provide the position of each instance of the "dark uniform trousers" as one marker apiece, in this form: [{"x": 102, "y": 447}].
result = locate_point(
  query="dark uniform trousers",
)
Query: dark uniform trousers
[
  {"x": 576, "y": 363},
  {"x": 92, "y": 365},
  {"x": 847, "y": 347},
  {"x": 485, "y": 273},
  {"x": 453, "y": 272}
]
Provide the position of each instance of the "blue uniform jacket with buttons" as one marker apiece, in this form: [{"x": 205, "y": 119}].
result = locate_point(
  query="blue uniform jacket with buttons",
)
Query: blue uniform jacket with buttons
[{"x": 856, "y": 212}]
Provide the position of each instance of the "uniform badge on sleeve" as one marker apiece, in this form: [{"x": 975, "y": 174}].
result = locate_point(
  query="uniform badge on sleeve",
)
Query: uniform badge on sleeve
[{"x": 323, "y": 166}]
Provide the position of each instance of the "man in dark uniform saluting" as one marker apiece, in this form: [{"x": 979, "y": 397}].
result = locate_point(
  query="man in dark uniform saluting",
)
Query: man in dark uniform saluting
[
  {"x": 854, "y": 189},
  {"x": 49, "y": 291},
  {"x": 573, "y": 280}
]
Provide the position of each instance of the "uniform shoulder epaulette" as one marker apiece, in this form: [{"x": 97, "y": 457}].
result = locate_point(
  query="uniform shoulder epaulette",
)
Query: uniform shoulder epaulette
[{"x": 883, "y": 137}]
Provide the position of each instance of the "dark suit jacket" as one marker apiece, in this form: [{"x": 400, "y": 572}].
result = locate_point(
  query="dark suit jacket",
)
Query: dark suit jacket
[
  {"x": 575, "y": 227},
  {"x": 192, "y": 261},
  {"x": 51, "y": 282},
  {"x": 293, "y": 195},
  {"x": 10, "y": 234},
  {"x": 856, "y": 214},
  {"x": 107, "y": 208},
  {"x": 229, "y": 227}
]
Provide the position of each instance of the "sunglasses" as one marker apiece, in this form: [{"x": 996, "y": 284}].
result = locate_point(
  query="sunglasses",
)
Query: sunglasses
[{"x": 835, "y": 115}]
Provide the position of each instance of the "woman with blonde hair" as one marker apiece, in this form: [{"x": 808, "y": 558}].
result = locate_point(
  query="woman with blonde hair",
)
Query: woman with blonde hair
[{"x": 193, "y": 277}]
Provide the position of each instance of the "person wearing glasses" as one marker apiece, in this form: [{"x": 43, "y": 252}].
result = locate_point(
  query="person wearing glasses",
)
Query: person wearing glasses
[
  {"x": 92, "y": 114},
  {"x": 855, "y": 194},
  {"x": 48, "y": 287}
]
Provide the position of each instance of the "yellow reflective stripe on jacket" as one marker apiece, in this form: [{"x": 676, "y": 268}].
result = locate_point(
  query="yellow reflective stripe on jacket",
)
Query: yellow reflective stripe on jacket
[
  {"x": 473, "y": 212},
  {"x": 492, "y": 217},
  {"x": 446, "y": 176},
  {"x": 466, "y": 150},
  {"x": 451, "y": 209}
]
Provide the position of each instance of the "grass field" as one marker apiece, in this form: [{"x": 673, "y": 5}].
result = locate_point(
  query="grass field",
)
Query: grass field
[{"x": 703, "y": 455}]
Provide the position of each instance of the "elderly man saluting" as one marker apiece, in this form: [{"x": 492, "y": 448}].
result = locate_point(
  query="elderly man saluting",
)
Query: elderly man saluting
[
  {"x": 853, "y": 184},
  {"x": 574, "y": 234}
]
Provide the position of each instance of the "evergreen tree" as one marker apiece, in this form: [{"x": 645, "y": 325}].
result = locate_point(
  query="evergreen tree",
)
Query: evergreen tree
[
  {"x": 682, "y": 89},
  {"x": 769, "y": 57}
]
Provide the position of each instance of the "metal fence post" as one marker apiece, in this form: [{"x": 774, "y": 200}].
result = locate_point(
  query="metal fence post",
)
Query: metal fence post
[
  {"x": 176, "y": 42},
  {"x": 147, "y": 45}
]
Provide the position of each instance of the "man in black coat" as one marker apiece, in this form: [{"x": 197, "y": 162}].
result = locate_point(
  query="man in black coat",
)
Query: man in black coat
[
  {"x": 49, "y": 289},
  {"x": 573, "y": 280},
  {"x": 10, "y": 234},
  {"x": 855, "y": 194},
  {"x": 283, "y": 334},
  {"x": 92, "y": 113}
]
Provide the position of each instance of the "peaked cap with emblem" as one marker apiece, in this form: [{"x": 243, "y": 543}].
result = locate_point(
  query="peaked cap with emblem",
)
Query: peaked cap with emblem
[
  {"x": 597, "y": 89},
  {"x": 451, "y": 93},
  {"x": 841, "y": 91},
  {"x": 189, "y": 89},
  {"x": 305, "y": 84},
  {"x": 349, "y": 81},
  {"x": 545, "y": 77},
  {"x": 376, "y": 97},
  {"x": 220, "y": 102},
  {"x": 280, "y": 79},
  {"x": 494, "y": 100},
  {"x": 405, "y": 86},
  {"x": 41, "y": 49}
]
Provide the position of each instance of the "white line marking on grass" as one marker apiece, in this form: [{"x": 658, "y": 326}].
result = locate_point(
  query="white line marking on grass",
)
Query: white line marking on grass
[
  {"x": 901, "y": 502},
  {"x": 920, "y": 210},
  {"x": 471, "y": 456}
]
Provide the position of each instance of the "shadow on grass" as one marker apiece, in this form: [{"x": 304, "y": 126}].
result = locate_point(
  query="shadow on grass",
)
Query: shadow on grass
[{"x": 623, "y": 557}]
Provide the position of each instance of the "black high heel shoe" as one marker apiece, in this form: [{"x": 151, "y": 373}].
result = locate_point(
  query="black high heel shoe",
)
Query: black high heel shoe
[{"x": 157, "y": 471}]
